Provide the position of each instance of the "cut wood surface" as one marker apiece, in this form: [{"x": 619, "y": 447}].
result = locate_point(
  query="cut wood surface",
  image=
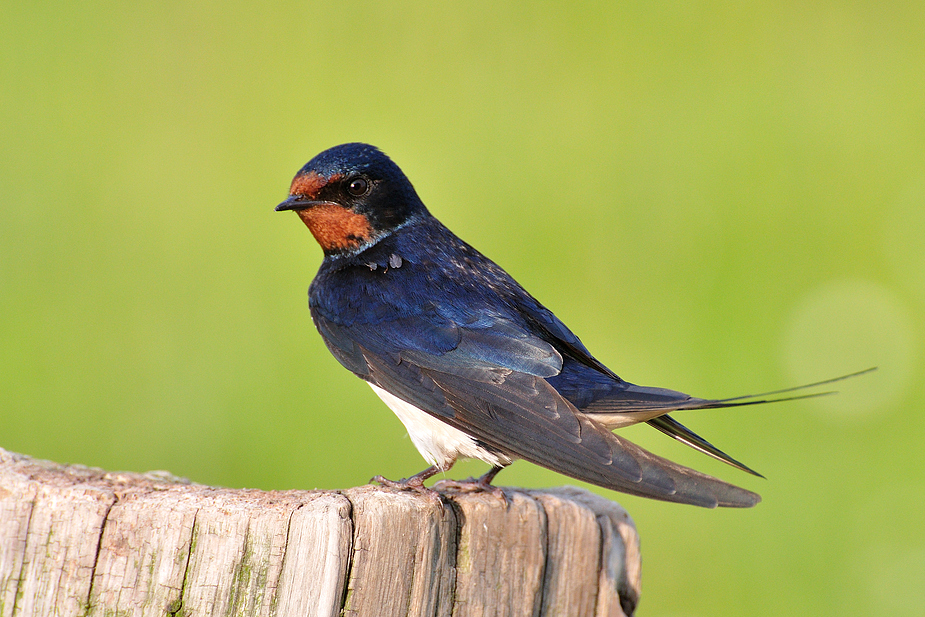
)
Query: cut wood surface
[{"x": 86, "y": 542}]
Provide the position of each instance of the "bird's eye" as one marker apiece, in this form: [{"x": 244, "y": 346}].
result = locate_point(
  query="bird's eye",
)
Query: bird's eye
[{"x": 358, "y": 186}]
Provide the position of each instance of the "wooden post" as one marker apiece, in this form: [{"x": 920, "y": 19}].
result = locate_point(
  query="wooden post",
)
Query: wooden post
[{"x": 86, "y": 542}]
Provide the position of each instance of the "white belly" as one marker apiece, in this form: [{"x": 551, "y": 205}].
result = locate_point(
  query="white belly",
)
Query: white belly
[{"x": 439, "y": 443}]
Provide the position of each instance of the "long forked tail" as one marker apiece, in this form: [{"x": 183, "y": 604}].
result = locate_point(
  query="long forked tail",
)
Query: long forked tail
[
  {"x": 674, "y": 429},
  {"x": 757, "y": 399}
]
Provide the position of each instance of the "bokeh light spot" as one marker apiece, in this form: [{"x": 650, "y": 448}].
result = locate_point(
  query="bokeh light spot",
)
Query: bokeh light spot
[{"x": 850, "y": 325}]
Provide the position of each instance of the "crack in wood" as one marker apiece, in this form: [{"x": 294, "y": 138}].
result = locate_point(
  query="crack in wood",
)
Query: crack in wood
[
  {"x": 178, "y": 603},
  {"x": 99, "y": 546}
]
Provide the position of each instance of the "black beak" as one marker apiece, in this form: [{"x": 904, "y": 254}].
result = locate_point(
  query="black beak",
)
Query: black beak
[{"x": 296, "y": 202}]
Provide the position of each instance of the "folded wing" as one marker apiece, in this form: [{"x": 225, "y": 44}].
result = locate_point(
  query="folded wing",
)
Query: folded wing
[{"x": 490, "y": 377}]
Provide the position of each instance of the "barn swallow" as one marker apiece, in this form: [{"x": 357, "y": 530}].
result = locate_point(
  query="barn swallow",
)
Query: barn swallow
[{"x": 471, "y": 363}]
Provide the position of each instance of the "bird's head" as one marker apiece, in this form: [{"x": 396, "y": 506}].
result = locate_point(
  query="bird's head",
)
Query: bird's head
[{"x": 351, "y": 196}]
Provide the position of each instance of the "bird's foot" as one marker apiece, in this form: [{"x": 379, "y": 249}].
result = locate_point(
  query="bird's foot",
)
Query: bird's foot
[
  {"x": 472, "y": 485},
  {"x": 414, "y": 484},
  {"x": 405, "y": 484}
]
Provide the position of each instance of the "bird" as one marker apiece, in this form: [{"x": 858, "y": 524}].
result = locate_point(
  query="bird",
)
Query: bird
[{"x": 472, "y": 364}]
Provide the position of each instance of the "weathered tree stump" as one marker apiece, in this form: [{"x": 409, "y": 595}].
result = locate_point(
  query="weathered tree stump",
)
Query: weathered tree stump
[{"x": 82, "y": 541}]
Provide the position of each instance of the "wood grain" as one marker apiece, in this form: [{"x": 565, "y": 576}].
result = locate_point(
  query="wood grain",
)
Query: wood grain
[{"x": 85, "y": 542}]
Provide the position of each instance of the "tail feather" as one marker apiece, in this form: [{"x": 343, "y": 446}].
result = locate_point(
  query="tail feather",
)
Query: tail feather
[
  {"x": 676, "y": 430},
  {"x": 757, "y": 399}
]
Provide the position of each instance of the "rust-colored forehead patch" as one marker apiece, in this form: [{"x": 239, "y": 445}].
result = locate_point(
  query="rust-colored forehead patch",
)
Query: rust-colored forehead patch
[
  {"x": 310, "y": 184},
  {"x": 336, "y": 228}
]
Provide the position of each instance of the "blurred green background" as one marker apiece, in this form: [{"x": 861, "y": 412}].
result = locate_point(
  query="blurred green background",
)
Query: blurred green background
[{"x": 717, "y": 198}]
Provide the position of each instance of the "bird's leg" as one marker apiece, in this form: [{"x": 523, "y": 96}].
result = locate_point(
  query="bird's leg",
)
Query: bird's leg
[
  {"x": 471, "y": 485},
  {"x": 485, "y": 481}
]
